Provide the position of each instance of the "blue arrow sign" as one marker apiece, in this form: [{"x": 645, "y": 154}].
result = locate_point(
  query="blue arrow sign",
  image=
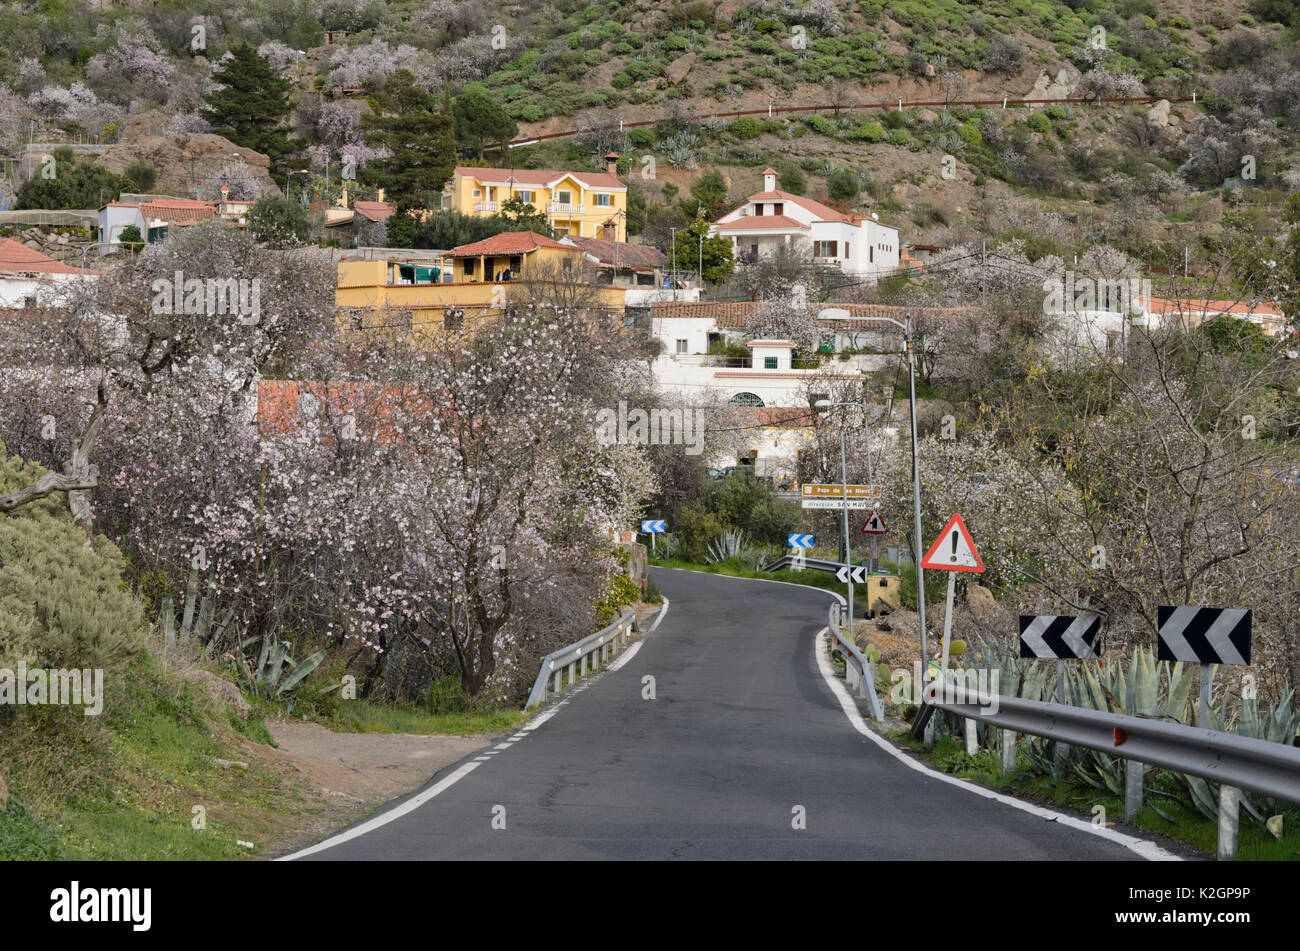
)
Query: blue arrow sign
[
  {"x": 799, "y": 541},
  {"x": 654, "y": 526}
]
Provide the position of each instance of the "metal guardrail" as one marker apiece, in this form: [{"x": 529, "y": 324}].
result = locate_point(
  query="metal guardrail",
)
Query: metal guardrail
[
  {"x": 1271, "y": 769},
  {"x": 859, "y": 673},
  {"x": 595, "y": 649}
]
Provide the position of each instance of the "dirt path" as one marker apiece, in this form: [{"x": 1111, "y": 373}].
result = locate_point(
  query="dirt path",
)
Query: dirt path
[{"x": 349, "y": 774}]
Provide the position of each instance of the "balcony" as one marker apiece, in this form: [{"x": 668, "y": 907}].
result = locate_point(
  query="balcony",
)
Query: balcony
[
  {"x": 491, "y": 206},
  {"x": 563, "y": 208}
]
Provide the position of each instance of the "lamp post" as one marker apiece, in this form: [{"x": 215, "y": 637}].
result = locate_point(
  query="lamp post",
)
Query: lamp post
[{"x": 909, "y": 338}]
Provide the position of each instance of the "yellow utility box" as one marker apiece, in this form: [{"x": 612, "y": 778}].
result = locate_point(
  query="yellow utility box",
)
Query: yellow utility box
[{"x": 883, "y": 592}]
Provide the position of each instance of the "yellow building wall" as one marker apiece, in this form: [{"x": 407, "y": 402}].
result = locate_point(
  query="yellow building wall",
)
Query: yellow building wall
[
  {"x": 363, "y": 290},
  {"x": 586, "y": 223}
]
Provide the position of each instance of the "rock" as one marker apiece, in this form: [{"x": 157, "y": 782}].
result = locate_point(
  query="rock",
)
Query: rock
[
  {"x": 187, "y": 163},
  {"x": 985, "y": 609},
  {"x": 679, "y": 68},
  {"x": 221, "y": 690},
  {"x": 1159, "y": 113},
  {"x": 927, "y": 115},
  {"x": 230, "y": 763},
  {"x": 638, "y": 564}
]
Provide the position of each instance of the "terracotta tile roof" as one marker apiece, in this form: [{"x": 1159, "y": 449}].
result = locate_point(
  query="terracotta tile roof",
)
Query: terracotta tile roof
[
  {"x": 771, "y": 343},
  {"x": 374, "y": 210},
  {"x": 1203, "y": 308},
  {"x": 735, "y": 314},
  {"x": 508, "y": 242},
  {"x": 178, "y": 211},
  {"x": 17, "y": 258},
  {"x": 823, "y": 212},
  {"x": 540, "y": 177},
  {"x": 627, "y": 255},
  {"x": 375, "y": 408},
  {"x": 753, "y": 222},
  {"x": 785, "y": 417}
]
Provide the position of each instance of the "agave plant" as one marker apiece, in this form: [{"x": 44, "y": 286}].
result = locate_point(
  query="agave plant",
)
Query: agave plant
[
  {"x": 194, "y": 632},
  {"x": 277, "y": 673},
  {"x": 730, "y": 544}
]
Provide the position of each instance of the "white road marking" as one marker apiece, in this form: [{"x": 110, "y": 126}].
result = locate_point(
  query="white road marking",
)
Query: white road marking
[
  {"x": 415, "y": 802},
  {"x": 1148, "y": 850}
]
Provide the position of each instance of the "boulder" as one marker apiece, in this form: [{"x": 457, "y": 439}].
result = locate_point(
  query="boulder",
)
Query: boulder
[
  {"x": 985, "y": 610},
  {"x": 638, "y": 564},
  {"x": 679, "y": 68},
  {"x": 223, "y": 691},
  {"x": 186, "y": 163},
  {"x": 1159, "y": 113}
]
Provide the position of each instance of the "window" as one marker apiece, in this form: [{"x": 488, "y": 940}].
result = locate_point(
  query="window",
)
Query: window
[
  {"x": 469, "y": 267},
  {"x": 871, "y": 254},
  {"x": 747, "y": 399},
  {"x": 825, "y": 249},
  {"x": 478, "y": 193},
  {"x": 682, "y": 345},
  {"x": 564, "y": 198},
  {"x": 526, "y": 197},
  {"x": 603, "y": 201},
  {"x": 778, "y": 208},
  {"x": 769, "y": 363},
  {"x": 847, "y": 252}
]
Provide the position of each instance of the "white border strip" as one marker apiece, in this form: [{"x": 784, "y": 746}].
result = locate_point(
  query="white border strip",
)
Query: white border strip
[
  {"x": 1147, "y": 850},
  {"x": 415, "y": 802}
]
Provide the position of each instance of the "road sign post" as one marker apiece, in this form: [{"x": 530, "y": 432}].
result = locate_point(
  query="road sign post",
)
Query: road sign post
[
  {"x": 652, "y": 527},
  {"x": 954, "y": 550}
]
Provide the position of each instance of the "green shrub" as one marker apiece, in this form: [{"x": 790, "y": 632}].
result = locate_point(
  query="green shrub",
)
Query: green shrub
[
  {"x": 61, "y": 604},
  {"x": 1039, "y": 122},
  {"x": 746, "y": 127},
  {"x": 641, "y": 138},
  {"x": 868, "y": 130},
  {"x": 619, "y": 591}
]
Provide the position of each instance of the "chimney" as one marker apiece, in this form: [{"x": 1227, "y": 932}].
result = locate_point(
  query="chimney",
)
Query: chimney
[
  {"x": 381, "y": 194},
  {"x": 611, "y": 164},
  {"x": 343, "y": 201},
  {"x": 769, "y": 179}
]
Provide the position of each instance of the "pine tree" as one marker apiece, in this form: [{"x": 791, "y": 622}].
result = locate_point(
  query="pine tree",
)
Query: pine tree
[
  {"x": 250, "y": 105},
  {"x": 420, "y": 140}
]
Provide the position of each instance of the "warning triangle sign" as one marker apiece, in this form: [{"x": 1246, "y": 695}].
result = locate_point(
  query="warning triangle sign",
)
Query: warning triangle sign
[
  {"x": 954, "y": 549},
  {"x": 874, "y": 525}
]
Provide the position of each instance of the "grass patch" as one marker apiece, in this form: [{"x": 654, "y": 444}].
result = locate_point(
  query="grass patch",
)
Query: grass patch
[
  {"x": 361, "y": 716},
  {"x": 1188, "y": 826}
]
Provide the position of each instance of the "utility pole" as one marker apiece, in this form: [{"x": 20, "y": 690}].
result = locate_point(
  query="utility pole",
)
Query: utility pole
[{"x": 917, "y": 545}]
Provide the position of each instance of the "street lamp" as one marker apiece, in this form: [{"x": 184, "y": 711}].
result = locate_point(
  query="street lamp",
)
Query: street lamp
[{"x": 909, "y": 339}]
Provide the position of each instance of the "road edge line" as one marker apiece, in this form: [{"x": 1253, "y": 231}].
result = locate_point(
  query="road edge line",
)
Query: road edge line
[{"x": 1142, "y": 847}]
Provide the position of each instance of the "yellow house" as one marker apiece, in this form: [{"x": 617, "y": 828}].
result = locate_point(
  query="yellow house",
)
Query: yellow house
[
  {"x": 585, "y": 204},
  {"x": 460, "y": 286}
]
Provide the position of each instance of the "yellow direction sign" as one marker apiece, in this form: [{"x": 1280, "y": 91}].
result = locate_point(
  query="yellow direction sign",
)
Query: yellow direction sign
[{"x": 832, "y": 496}]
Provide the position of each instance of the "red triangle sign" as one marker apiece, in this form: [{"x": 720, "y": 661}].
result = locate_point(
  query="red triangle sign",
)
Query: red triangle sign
[
  {"x": 954, "y": 549},
  {"x": 874, "y": 525}
]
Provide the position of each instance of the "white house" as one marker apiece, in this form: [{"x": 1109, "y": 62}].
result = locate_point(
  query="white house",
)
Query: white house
[
  {"x": 153, "y": 217},
  {"x": 858, "y": 245},
  {"x": 29, "y": 278}
]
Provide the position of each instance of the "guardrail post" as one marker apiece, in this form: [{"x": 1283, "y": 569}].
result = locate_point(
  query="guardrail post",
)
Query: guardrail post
[
  {"x": 1229, "y": 802},
  {"x": 1008, "y": 751},
  {"x": 582, "y": 670},
  {"x": 1133, "y": 776},
  {"x": 572, "y": 667},
  {"x": 559, "y": 681},
  {"x": 972, "y": 738}
]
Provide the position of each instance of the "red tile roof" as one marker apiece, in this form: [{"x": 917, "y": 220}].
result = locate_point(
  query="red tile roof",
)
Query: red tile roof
[
  {"x": 539, "y": 177},
  {"x": 1202, "y": 308},
  {"x": 823, "y": 212},
  {"x": 752, "y": 222},
  {"x": 374, "y": 210},
  {"x": 178, "y": 211},
  {"x": 376, "y": 409},
  {"x": 17, "y": 258},
  {"x": 508, "y": 242},
  {"x": 627, "y": 255}
]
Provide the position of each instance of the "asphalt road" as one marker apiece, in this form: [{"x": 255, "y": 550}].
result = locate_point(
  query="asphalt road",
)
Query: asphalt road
[{"x": 743, "y": 729}]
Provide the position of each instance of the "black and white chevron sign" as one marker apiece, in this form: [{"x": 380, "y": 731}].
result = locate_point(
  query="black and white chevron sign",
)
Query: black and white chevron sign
[
  {"x": 1204, "y": 635},
  {"x": 1062, "y": 637},
  {"x": 859, "y": 573}
]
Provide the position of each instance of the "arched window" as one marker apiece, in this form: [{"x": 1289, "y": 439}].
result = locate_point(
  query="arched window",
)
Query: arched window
[{"x": 746, "y": 399}]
